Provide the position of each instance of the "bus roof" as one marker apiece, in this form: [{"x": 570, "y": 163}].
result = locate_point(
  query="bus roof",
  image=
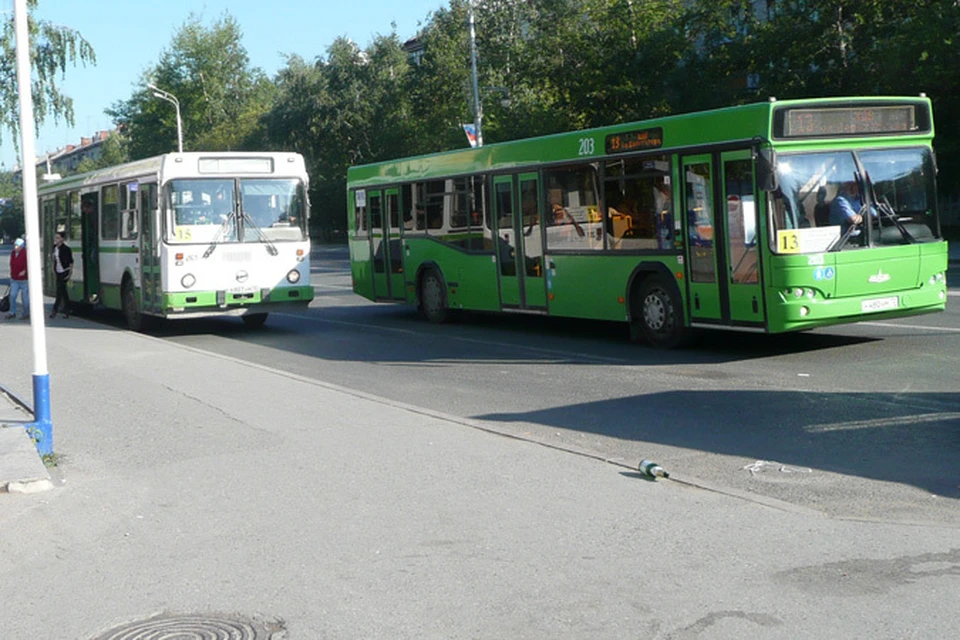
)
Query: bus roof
[
  {"x": 172, "y": 165},
  {"x": 741, "y": 123}
]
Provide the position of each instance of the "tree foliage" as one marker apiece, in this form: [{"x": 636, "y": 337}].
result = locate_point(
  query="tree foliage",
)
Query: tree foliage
[
  {"x": 221, "y": 96},
  {"x": 113, "y": 151},
  {"x": 53, "y": 48}
]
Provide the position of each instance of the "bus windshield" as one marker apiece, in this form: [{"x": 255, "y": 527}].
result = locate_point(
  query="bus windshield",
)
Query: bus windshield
[
  {"x": 851, "y": 199},
  {"x": 217, "y": 210}
]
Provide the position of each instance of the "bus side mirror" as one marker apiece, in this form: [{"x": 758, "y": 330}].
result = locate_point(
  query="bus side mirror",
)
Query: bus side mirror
[{"x": 767, "y": 170}]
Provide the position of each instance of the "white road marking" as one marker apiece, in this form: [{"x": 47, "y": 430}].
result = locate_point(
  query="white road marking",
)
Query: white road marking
[{"x": 915, "y": 327}]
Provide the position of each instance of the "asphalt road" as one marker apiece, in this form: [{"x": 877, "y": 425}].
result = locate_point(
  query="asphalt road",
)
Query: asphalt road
[{"x": 859, "y": 421}]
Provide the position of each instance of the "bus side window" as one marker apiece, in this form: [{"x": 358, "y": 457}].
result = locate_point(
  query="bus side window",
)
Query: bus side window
[
  {"x": 76, "y": 223},
  {"x": 129, "y": 225},
  {"x": 110, "y": 213}
]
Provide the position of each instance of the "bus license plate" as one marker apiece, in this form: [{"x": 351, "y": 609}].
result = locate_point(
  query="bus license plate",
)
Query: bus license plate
[
  {"x": 879, "y": 304},
  {"x": 236, "y": 290}
]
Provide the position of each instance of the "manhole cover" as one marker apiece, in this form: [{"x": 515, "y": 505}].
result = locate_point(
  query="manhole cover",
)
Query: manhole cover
[{"x": 196, "y": 627}]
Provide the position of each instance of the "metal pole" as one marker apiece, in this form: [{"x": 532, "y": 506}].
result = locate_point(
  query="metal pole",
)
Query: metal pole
[
  {"x": 41, "y": 378},
  {"x": 172, "y": 99},
  {"x": 477, "y": 108},
  {"x": 176, "y": 103}
]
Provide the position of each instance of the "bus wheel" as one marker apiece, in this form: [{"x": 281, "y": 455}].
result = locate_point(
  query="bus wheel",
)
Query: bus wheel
[
  {"x": 433, "y": 298},
  {"x": 254, "y": 320},
  {"x": 659, "y": 314},
  {"x": 131, "y": 309}
]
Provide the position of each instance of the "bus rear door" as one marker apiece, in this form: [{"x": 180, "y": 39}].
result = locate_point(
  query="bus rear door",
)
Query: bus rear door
[
  {"x": 91, "y": 247},
  {"x": 519, "y": 251},
  {"x": 383, "y": 209}
]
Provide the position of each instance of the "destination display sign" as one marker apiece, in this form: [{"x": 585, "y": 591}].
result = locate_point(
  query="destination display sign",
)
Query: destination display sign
[
  {"x": 842, "y": 121},
  {"x": 639, "y": 140}
]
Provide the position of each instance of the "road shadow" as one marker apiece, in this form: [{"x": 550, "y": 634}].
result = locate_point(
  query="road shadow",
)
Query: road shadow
[{"x": 911, "y": 438}]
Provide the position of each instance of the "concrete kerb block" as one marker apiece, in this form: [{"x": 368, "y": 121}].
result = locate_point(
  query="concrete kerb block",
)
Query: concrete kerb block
[
  {"x": 21, "y": 468},
  {"x": 33, "y": 486}
]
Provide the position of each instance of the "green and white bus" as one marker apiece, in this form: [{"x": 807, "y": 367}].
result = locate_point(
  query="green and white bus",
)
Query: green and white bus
[
  {"x": 725, "y": 218},
  {"x": 185, "y": 235}
]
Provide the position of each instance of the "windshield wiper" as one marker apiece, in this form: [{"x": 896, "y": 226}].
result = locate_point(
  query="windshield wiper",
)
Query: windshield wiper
[
  {"x": 220, "y": 233},
  {"x": 885, "y": 208},
  {"x": 271, "y": 248}
]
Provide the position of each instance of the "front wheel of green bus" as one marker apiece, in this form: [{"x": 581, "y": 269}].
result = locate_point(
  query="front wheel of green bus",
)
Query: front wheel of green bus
[{"x": 657, "y": 314}]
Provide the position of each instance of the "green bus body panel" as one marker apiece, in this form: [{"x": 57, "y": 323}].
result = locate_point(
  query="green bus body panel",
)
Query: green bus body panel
[
  {"x": 859, "y": 276},
  {"x": 471, "y": 278},
  {"x": 361, "y": 268}
]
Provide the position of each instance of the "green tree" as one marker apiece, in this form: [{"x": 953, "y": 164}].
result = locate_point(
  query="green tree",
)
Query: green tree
[
  {"x": 221, "y": 96},
  {"x": 349, "y": 107},
  {"x": 52, "y": 49},
  {"x": 11, "y": 213}
]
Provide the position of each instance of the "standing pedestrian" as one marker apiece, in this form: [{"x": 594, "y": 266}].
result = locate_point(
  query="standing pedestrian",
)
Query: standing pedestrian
[
  {"x": 18, "y": 279},
  {"x": 63, "y": 267}
]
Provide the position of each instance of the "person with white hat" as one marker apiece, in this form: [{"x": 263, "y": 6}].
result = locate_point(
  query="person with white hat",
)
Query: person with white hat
[{"x": 18, "y": 279}]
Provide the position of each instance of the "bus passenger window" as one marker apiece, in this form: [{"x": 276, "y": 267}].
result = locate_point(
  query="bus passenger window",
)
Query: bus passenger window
[
  {"x": 635, "y": 201},
  {"x": 110, "y": 213},
  {"x": 572, "y": 208}
]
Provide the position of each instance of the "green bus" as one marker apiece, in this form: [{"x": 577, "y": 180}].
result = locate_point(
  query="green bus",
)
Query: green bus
[{"x": 769, "y": 217}]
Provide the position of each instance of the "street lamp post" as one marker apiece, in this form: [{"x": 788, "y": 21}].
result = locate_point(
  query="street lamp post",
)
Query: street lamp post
[
  {"x": 477, "y": 107},
  {"x": 172, "y": 99}
]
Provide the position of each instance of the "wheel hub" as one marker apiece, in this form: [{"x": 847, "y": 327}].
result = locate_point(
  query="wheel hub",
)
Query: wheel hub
[{"x": 654, "y": 312}]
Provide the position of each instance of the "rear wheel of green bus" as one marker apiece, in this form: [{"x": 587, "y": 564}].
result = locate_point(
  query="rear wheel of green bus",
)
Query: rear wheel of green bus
[
  {"x": 658, "y": 314},
  {"x": 433, "y": 297},
  {"x": 254, "y": 320},
  {"x": 131, "y": 308}
]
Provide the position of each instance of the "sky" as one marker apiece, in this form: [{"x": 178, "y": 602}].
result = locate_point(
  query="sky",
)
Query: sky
[{"x": 128, "y": 37}]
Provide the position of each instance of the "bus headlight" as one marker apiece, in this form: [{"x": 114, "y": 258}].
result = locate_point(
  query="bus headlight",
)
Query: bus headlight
[
  {"x": 293, "y": 277},
  {"x": 188, "y": 281}
]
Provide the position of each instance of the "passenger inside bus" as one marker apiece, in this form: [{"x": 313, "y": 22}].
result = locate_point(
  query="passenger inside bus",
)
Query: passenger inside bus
[{"x": 561, "y": 216}]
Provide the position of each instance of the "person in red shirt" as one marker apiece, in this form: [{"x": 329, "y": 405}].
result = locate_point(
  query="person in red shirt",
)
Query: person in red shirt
[{"x": 18, "y": 279}]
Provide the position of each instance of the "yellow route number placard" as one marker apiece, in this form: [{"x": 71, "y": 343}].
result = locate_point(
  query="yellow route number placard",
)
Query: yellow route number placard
[{"x": 788, "y": 241}]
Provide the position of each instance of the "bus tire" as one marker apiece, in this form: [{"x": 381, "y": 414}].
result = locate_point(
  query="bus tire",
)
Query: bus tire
[
  {"x": 131, "y": 308},
  {"x": 657, "y": 314},
  {"x": 433, "y": 297},
  {"x": 254, "y": 320}
]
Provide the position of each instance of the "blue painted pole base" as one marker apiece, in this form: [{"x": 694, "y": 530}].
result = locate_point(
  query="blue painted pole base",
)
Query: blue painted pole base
[{"x": 41, "y": 429}]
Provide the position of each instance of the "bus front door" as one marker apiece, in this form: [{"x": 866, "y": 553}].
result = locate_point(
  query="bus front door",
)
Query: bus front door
[
  {"x": 721, "y": 222},
  {"x": 741, "y": 260},
  {"x": 150, "y": 274},
  {"x": 698, "y": 203},
  {"x": 519, "y": 242}
]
